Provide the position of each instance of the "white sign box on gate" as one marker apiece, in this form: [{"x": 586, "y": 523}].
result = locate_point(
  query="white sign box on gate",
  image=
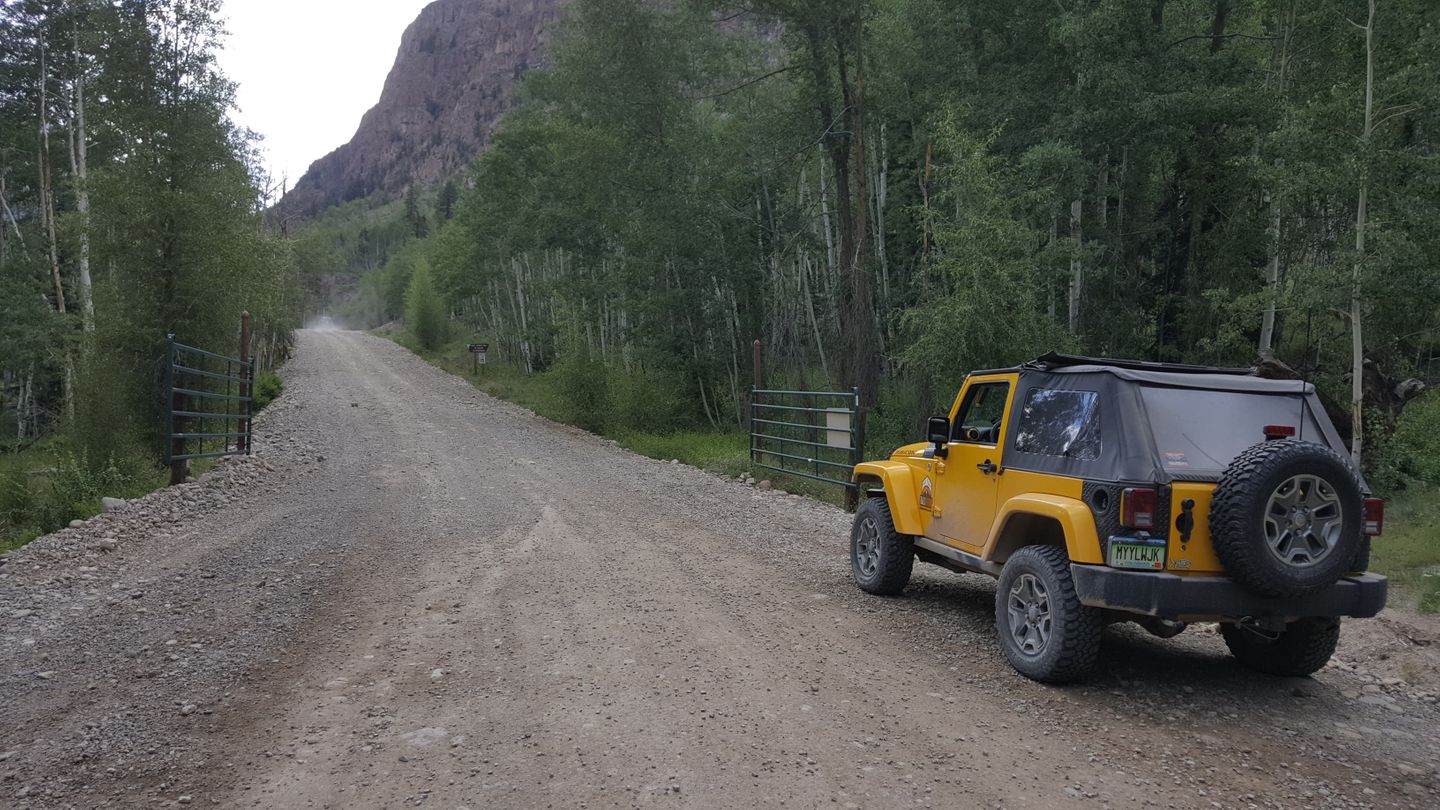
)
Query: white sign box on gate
[{"x": 837, "y": 428}]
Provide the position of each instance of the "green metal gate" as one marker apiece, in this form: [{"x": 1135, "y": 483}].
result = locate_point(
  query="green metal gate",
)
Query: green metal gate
[
  {"x": 817, "y": 435},
  {"x": 207, "y": 405}
]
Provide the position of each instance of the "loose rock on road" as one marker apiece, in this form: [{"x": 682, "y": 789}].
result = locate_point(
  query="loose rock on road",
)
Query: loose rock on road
[{"x": 416, "y": 595}]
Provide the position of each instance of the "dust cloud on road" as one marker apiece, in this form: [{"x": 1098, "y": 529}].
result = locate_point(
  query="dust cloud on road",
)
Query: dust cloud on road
[{"x": 416, "y": 595}]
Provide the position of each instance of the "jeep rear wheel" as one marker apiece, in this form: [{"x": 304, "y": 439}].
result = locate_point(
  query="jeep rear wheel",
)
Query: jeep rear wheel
[
  {"x": 1285, "y": 518},
  {"x": 1302, "y": 648},
  {"x": 1046, "y": 633},
  {"x": 880, "y": 557}
]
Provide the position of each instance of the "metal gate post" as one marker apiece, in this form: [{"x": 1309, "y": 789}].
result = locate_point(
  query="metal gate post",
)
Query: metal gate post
[
  {"x": 857, "y": 452},
  {"x": 755, "y": 443},
  {"x": 179, "y": 467},
  {"x": 756, "y": 347},
  {"x": 247, "y": 384}
]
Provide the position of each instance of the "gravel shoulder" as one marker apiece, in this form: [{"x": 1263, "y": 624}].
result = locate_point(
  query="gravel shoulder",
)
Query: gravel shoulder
[{"x": 415, "y": 594}]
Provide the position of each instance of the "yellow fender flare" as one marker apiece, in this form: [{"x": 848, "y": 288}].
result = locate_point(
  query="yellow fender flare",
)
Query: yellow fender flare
[
  {"x": 901, "y": 492},
  {"x": 1082, "y": 541}
]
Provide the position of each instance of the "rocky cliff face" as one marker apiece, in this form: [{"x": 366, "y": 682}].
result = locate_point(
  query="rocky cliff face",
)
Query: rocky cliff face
[{"x": 453, "y": 79}]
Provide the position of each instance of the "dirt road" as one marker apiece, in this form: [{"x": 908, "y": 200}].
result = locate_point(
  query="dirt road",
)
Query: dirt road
[{"x": 417, "y": 595}]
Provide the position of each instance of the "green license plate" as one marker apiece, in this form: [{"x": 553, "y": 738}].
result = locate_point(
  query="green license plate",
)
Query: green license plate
[{"x": 1133, "y": 552}]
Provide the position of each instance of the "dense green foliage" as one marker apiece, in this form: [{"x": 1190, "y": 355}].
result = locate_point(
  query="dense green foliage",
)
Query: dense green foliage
[
  {"x": 424, "y": 311},
  {"x": 51, "y": 485},
  {"x": 1408, "y": 552},
  {"x": 1416, "y": 444},
  {"x": 131, "y": 210},
  {"x": 891, "y": 192},
  {"x": 268, "y": 388}
]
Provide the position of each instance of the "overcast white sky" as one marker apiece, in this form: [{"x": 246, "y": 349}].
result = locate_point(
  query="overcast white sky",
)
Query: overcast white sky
[{"x": 309, "y": 69}]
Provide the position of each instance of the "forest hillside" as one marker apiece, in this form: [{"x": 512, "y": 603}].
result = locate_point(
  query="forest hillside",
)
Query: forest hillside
[
  {"x": 130, "y": 209},
  {"x": 889, "y": 193}
]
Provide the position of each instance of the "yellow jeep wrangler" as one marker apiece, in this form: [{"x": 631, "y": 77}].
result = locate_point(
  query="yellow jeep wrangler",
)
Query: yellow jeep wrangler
[{"x": 1099, "y": 491}]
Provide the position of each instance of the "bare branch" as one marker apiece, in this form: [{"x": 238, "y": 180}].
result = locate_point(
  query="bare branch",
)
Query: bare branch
[
  {"x": 737, "y": 88},
  {"x": 1212, "y": 37}
]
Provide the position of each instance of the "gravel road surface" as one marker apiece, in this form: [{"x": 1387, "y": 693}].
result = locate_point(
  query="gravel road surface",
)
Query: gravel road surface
[{"x": 416, "y": 595}]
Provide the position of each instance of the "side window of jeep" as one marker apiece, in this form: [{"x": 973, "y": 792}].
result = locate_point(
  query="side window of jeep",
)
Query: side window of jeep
[
  {"x": 981, "y": 414},
  {"x": 1060, "y": 423}
]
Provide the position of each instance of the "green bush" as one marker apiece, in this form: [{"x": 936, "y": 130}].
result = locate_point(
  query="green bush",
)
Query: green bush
[
  {"x": 76, "y": 486},
  {"x": 584, "y": 390},
  {"x": 1414, "y": 448},
  {"x": 649, "y": 401},
  {"x": 899, "y": 417},
  {"x": 18, "y": 505},
  {"x": 41, "y": 491},
  {"x": 425, "y": 311},
  {"x": 268, "y": 387}
]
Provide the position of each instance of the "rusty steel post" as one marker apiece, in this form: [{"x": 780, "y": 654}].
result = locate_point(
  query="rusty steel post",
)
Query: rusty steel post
[
  {"x": 247, "y": 388},
  {"x": 756, "y": 346}
]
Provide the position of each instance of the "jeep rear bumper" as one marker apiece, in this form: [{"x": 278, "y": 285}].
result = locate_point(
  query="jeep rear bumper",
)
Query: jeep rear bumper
[{"x": 1195, "y": 598}]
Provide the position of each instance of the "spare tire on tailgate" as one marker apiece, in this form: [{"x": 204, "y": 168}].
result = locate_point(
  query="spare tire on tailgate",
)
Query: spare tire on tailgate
[{"x": 1286, "y": 518}]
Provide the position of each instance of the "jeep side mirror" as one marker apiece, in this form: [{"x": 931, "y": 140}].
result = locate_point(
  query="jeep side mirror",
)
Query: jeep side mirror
[{"x": 938, "y": 431}]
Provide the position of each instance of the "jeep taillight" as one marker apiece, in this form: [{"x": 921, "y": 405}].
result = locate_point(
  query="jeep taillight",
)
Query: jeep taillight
[
  {"x": 1273, "y": 432},
  {"x": 1374, "y": 517},
  {"x": 1138, "y": 508}
]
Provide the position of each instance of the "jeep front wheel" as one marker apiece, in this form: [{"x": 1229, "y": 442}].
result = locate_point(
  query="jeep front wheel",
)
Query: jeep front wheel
[
  {"x": 880, "y": 557},
  {"x": 1302, "y": 648},
  {"x": 1046, "y": 633}
]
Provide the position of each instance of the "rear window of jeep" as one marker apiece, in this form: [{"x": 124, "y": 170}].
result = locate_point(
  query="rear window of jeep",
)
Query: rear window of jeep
[{"x": 1203, "y": 431}]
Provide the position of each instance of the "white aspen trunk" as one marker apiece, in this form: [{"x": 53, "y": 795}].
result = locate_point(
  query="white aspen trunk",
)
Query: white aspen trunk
[
  {"x": 1120, "y": 198},
  {"x": 497, "y": 322},
  {"x": 23, "y": 406},
  {"x": 47, "y": 196},
  {"x": 627, "y": 350},
  {"x": 1050, "y": 292},
  {"x": 1077, "y": 268},
  {"x": 825, "y": 226},
  {"x": 517, "y": 303},
  {"x": 1102, "y": 195},
  {"x": 7, "y": 215},
  {"x": 804, "y": 267},
  {"x": 735, "y": 353},
  {"x": 1281, "y": 64},
  {"x": 47, "y": 192},
  {"x": 1357, "y": 343},
  {"x": 705, "y": 401},
  {"x": 80, "y": 168},
  {"x": 882, "y": 194},
  {"x": 1272, "y": 284},
  {"x": 925, "y": 218}
]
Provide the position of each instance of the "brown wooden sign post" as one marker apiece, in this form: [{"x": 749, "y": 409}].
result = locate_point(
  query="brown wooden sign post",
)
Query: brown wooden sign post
[{"x": 479, "y": 355}]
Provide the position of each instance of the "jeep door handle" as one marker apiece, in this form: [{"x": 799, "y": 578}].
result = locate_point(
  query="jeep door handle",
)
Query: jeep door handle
[{"x": 987, "y": 467}]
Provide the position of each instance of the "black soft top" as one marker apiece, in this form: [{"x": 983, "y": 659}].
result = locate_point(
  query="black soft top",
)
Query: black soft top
[{"x": 1164, "y": 422}]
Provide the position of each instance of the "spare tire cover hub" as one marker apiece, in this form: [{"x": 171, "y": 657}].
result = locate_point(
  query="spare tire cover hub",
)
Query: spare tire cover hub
[{"x": 1303, "y": 520}]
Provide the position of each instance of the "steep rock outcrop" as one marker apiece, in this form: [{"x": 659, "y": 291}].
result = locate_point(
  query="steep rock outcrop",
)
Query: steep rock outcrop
[{"x": 453, "y": 79}]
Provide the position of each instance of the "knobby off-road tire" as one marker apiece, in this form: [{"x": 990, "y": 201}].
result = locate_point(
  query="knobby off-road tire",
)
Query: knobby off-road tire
[
  {"x": 1046, "y": 633},
  {"x": 880, "y": 557},
  {"x": 1286, "y": 518},
  {"x": 1303, "y": 648}
]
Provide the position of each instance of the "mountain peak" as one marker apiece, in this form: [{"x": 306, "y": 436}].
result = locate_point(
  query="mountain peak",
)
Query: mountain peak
[{"x": 453, "y": 79}]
